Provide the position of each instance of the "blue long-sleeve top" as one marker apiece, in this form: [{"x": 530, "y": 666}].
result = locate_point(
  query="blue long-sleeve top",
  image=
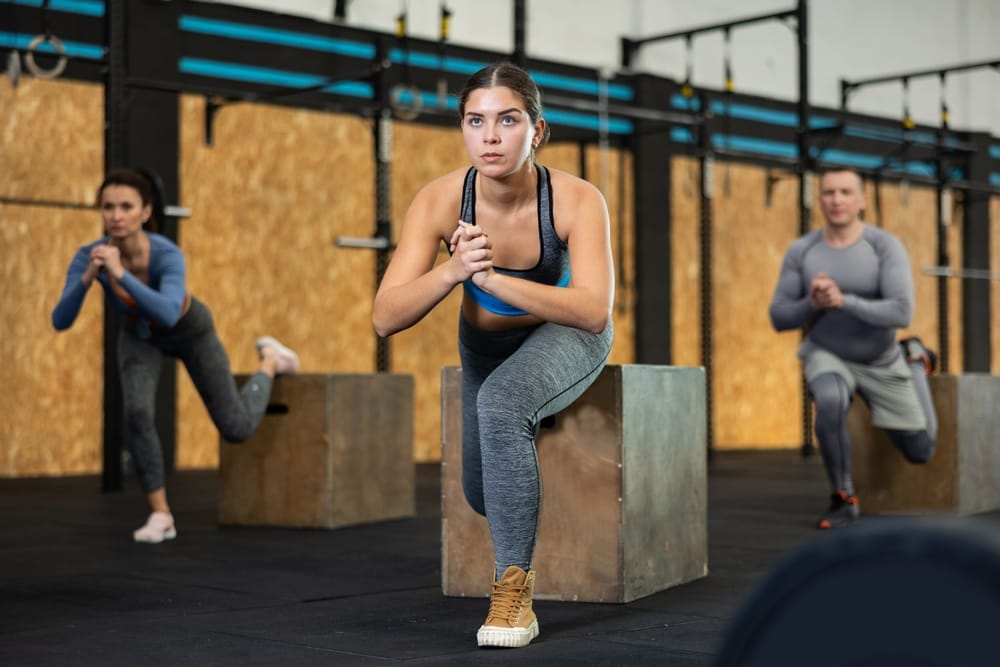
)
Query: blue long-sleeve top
[
  {"x": 876, "y": 280},
  {"x": 158, "y": 303}
]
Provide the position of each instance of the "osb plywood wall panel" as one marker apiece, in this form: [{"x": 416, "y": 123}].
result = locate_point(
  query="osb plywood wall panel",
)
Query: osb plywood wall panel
[
  {"x": 994, "y": 290},
  {"x": 685, "y": 268},
  {"x": 754, "y": 369},
  {"x": 267, "y": 200},
  {"x": 51, "y": 147},
  {"x": 611, "y": 171}
]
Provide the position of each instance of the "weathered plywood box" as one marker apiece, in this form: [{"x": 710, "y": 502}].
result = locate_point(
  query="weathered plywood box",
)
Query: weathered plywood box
[
  {"x": 333, "y": 450},
  {"x": 623, "y": 491},
  {"x": 964, "y": 475}
]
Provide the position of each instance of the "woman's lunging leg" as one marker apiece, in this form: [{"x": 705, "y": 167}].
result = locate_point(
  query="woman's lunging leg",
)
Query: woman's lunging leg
[{"x": 549, "y": 371}]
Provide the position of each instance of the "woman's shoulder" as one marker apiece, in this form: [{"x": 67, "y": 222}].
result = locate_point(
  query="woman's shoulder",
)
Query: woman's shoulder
[
  {"x": 452, "y": 182},
  {"x": 162, "y": 248},
  {"x": 569, "y": 190},
  {"x": 443, "y": 193},
  {"x": 565, "y": 181}
]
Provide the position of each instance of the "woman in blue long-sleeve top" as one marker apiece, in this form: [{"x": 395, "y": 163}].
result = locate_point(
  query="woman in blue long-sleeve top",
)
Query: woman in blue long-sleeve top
[{"x": 143, "y": 276}]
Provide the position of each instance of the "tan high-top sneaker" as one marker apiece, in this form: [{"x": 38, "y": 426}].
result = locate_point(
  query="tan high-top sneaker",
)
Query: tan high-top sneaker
[{"x": 511, "y": 623}]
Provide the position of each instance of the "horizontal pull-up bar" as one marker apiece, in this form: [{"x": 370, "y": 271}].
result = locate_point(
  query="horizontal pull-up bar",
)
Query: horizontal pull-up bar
[
  {"x": 963, "y": 273},
  {"x": 170, "y": 210},
  {"x": 846, "y": 86},
  {"x": 637, "y": 113},
  {"x": 904, "y": 138},
  {"x": 630, "y": 46}
]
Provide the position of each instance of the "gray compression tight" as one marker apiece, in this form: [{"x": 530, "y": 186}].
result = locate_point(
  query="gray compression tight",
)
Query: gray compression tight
[
  {"x": 236, "y": 413},
  {"x": 919, "y": 446},
  {"x": 832, "y": 399},
  {"x": 511, "y": 380}
]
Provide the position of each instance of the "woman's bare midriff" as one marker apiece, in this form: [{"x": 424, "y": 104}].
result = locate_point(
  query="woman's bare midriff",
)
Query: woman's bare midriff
[{"x": 483, "y": 319}]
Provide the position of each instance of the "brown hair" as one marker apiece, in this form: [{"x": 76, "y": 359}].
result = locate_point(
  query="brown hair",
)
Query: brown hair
[
  {"x": 143, "y": 184},
  {"x": 842, "y": 169},
  {"x": 507, "y": 75}
]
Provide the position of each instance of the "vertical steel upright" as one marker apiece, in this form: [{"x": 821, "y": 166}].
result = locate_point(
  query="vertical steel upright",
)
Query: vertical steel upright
[
  {"x": 382, "y": 134},
  {"x": 804, "y": 167},
  {"x": 520, "y": 32},
  {"x": 115, "y": 140}
]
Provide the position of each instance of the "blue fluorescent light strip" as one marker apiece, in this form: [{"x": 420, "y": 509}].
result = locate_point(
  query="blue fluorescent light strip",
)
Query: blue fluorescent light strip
[
  {"x": 678, "y": 101},
  {"x": 753, "y": 145},
  {"x": 588, "y": 122},
  {"x": 995, "y": 179},
  {"x": 765, "y": 148},
  {"x": 759, "y": 114},
  {"x": 586, "y": 86},
  {"x": 73, "y": 49},
  {"x": 85, "y": 7},
  {"x": 274, "y": 77},
  {"x": 791, "y": 119},
  {"x": 995, "y": 151},
  {"x": 569, "y": 118},
  {"x": 682, "y": 135},
  {"x": 252, "y": 33}
]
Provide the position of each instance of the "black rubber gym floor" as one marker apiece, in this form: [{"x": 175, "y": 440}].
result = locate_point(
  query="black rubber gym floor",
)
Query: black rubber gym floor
[{"x": 74, "y": 589}]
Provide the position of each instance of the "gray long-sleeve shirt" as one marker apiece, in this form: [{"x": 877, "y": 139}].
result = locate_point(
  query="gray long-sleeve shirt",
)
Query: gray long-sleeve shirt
[{"x": 875, "y": 277}]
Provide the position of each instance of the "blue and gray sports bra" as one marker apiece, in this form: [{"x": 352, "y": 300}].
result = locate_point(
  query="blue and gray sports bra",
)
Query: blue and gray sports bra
[{"x": 553, "y": 260}]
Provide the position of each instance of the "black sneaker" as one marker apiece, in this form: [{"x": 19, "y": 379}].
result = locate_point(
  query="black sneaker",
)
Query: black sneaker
[
  {"x": 844, "y": 510},
  {"x": 915, "y": 350}
]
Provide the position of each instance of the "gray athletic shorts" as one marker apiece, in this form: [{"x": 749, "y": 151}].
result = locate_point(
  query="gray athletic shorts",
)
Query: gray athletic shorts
[{"x": 888, "y": 390}]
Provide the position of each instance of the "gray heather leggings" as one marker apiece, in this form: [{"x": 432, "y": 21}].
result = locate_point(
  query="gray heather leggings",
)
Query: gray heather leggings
[
  {"x": 192, "y": 340},
  {"x": 510, "y": 381}
]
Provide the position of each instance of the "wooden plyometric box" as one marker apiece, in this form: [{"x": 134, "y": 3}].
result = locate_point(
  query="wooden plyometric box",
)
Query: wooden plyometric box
[
  {"x": 333, "y": 450},
  {"x": 963, "y": 477},
  {"x": 623, "y": 473}
]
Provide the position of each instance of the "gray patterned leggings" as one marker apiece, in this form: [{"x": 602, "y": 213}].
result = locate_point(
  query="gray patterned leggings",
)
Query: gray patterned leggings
[
  {"x": 510, "y": 381},
  {"x": 194, "y": 342}
]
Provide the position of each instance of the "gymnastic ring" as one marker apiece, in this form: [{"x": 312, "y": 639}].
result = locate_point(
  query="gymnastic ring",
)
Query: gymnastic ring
[
  {"x": 408, "y": 111},
  {"x": 29, "y": 58}
]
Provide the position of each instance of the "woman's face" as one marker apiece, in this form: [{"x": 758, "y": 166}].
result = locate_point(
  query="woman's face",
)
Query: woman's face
[
  {"x": 123, "y": 210},
  {"x": 498, "y": 132}
]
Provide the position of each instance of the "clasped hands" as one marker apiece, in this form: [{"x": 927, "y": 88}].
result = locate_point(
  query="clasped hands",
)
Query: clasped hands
[
  {"x": 825, "y": 293},
  {"x": 471, "y": 248},
  {"x": 108, "y": 258}
]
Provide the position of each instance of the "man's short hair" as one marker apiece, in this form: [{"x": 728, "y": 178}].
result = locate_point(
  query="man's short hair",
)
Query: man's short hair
[{"x": 839, "y": 169}]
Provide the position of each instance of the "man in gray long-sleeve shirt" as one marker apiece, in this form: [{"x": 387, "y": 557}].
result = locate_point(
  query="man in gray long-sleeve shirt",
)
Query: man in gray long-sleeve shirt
[{"x": 850, "y": 287}]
